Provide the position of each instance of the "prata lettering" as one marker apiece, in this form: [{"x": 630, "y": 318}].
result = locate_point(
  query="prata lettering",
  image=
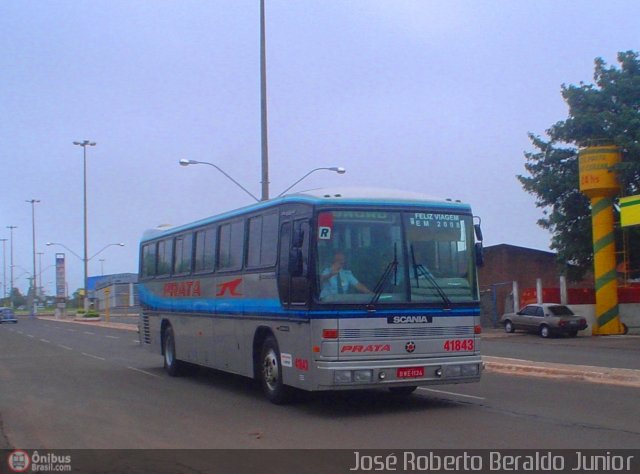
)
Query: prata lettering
[
  {"x": 369, "y": 348},
  {"x": 182, "y": 288}
]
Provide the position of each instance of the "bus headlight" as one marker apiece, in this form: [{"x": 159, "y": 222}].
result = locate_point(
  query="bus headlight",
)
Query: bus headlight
[
  {"x": 343, "y": 376},
  {"x": 452, "y": 371},
  {"x": 362, "y": 376},
  {"x": 470, "y": 370}
]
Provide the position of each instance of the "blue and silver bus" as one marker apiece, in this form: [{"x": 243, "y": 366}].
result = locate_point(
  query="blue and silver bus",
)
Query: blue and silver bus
[{"x": 319, "y": 290}]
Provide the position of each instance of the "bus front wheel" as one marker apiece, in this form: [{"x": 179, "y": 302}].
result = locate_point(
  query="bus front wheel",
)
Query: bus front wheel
[
  {"x": 271, "y": 373},
  {"x": 171, "y": 364}
]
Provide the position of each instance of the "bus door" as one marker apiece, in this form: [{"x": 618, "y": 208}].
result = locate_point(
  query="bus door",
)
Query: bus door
[{"x": 293, "y": 267}]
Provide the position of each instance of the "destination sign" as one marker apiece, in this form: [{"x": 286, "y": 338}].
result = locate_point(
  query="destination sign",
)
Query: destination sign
[{"x": 435, "y": 220}]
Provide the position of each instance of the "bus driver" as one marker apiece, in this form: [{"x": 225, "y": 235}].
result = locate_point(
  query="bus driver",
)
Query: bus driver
[{"x": 337, "y": 280}]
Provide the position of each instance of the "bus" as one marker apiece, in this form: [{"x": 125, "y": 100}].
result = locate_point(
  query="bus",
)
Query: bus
[{"x": 334, "y": 289}]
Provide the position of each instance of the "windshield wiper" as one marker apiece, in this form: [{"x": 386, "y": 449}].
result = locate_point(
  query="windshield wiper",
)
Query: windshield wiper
[
  {"x": 392, "y": 267},
  {"x": 420, "y": 270}
]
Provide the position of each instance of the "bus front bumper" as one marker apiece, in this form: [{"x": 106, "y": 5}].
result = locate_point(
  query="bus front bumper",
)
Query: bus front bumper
[{"x": 349, "y": 375}]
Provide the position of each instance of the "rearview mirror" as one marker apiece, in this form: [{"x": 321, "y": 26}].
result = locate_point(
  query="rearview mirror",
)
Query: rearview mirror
[{"x": 479, "y": 254}]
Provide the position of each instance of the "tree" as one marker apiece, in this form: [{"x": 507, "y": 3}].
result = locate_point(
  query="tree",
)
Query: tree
[
  {"x": 607, "y": 112},
  {"x": 18, "y": 298}
]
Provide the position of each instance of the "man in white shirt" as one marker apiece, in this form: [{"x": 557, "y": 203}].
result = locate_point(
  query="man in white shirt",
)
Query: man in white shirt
[{"x": 337, "y": 280}]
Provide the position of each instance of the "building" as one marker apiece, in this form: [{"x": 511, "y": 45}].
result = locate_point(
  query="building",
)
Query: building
[
  {"x": 119, "y": 291},
  {"x": 505, "y": 264}
]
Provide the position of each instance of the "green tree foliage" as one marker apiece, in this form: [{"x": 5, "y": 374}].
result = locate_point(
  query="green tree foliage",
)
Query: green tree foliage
[
  {"x": 18, "y": 298},
  {"x": 607, "y": 112}
]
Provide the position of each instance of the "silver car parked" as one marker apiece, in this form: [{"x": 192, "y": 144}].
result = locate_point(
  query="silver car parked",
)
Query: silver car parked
[{"x": 544, "y": 319}]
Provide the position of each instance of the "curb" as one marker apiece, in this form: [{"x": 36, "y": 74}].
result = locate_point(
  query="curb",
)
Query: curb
[
  {"x": 584, "y": 373},
  {"x": 103, "y": 324}
]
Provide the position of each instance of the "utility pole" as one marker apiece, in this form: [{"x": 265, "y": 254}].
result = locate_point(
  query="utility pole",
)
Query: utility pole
[
  {"x": 34, "y": 282},
  {"x": 84, "y": 144},
  {"x": 4, "y": 268},
  {"x": 11, "y": 227},
  {"x": 263, "y": 103}
]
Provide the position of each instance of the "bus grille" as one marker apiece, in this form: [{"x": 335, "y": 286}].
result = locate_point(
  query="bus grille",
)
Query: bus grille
[
  {"x": 146, "y": 330},
  {"x": 456, "y": 331}
]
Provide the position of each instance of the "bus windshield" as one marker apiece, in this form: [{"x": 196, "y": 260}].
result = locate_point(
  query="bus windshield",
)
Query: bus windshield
[{"x": 395, "y": 257}]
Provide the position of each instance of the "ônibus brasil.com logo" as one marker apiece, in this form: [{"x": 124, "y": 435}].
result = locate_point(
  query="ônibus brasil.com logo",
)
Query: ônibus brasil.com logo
[{"x": 19, "y": 461}]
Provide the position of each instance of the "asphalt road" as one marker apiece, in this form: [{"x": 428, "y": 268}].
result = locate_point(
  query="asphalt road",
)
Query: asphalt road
[{"x": 66, "y": 385}]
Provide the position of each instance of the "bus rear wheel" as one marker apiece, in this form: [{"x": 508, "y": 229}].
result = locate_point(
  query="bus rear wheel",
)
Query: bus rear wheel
[
  {"x": 172, "y": 365},
  {"x": 271, "y": 373}
]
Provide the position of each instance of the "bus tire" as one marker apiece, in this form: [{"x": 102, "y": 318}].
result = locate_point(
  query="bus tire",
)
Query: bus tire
[
  {"x": 403, "y": 391},
  {"x": 172, "y": 365},
  {"x": 271, "y": 373}
]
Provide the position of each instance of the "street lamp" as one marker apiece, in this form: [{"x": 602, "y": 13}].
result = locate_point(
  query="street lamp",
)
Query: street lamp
[
  {"x": 11, "y": 227},
  {"x": 336, "y": 169},
  {"x": 33, "y": 203},
  {"x": 84, "y": 144},
  {"x": 184, "y": 162}
]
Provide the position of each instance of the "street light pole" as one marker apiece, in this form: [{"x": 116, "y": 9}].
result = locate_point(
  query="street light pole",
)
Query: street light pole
[
  {"x": 337, "y": 169},
  {"x": 84, "y": 144},
  {"x": 4, "y": 269},
  {"x": 11, "y": 227},
  {"x": 33, "y": 203},
  {"x": 40, "y": 254},
  {"x": 184, "y": 162},
  {"x": 263, "y": 105}
]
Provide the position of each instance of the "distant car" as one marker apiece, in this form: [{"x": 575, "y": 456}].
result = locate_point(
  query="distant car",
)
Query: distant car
[
  {"x": 7, "y": 316},
  {"x": 545, "y": 320}
]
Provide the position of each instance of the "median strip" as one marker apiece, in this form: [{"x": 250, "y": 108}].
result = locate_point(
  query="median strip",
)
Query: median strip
[{"x": 585, "y": 373}]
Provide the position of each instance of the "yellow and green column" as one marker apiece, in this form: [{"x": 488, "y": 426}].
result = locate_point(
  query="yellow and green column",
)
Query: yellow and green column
[{"x": 599, "y": 182}]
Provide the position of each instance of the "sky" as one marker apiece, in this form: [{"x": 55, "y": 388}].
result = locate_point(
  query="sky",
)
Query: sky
[{"x": 428, "y": 96}]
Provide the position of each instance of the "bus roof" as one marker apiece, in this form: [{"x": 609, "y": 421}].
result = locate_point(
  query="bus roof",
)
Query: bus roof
[{"x": 343, "y": 196}]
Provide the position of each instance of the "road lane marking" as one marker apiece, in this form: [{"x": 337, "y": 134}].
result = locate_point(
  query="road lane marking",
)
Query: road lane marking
[
  {"x": 451, "y": 393},
  {"x": 136, "y": 341},
  {"x": 94, "y": 356},
  {"x": 144, "y": 372},
  {"x": 112, "y": 337},
  {"x": 20, "y": 332},
  {"x": 30, "y": 335},
  {"x": 90, "y": 333},
  {"x": 71, "y": 330},
  {"x": 65, "y": 347},
  {"x": 44, "y": 340}
]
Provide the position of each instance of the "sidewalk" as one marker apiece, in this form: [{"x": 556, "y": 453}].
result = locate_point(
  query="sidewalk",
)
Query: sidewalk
[
  {"x": 101, "y": 323},
  {"x": 554, "y": 370},
  {"x": 584, "y": 373}
]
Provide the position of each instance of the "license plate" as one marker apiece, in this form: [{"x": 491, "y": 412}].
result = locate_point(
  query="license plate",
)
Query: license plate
[{"x": 410, "y": 372}]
